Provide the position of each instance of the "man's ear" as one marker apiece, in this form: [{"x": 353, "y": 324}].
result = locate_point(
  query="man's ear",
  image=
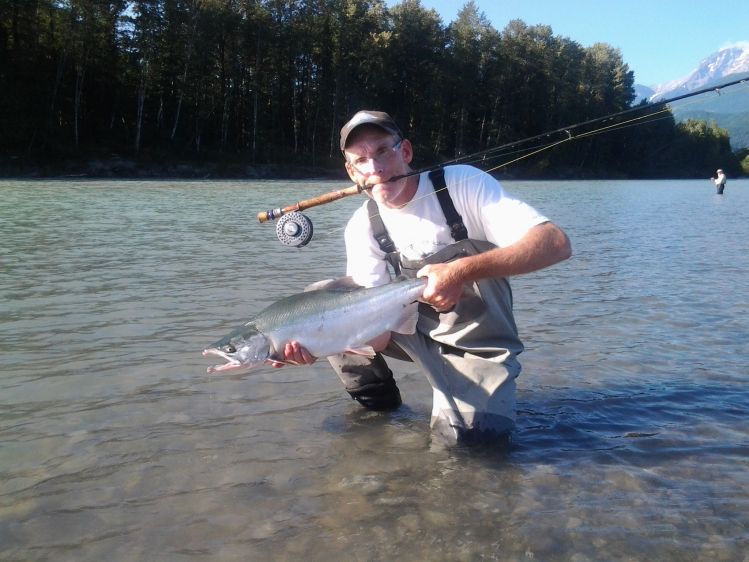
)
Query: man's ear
[{"x": 408, "y": 151}]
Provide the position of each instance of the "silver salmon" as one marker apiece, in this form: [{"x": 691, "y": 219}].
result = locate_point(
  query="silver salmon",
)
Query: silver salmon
[{"x": 327, "y": 320}]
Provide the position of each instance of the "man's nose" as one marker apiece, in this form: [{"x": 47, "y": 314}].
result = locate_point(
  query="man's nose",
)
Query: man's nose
[{"x": 371, "y": 166}]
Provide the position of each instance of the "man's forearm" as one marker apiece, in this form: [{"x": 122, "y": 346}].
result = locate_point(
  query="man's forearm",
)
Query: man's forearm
[{"x": 543, "y": 246}]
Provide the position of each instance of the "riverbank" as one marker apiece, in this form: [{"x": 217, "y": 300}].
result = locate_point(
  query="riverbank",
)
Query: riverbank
[
  {"x": 159, "y": 168},
  {"x": 116, "y": 167}
]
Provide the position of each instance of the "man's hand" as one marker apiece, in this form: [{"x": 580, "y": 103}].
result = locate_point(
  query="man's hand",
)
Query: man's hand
[
  {"x": 444, "y": 285},
  {"x": 293, "y": 354},
  {"x": 543, "y": 245}
]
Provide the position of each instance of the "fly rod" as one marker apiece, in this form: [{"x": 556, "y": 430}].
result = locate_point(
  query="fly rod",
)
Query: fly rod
[
  {"x": 295, "y": 229},
  {"x": 274, "y": 214}
]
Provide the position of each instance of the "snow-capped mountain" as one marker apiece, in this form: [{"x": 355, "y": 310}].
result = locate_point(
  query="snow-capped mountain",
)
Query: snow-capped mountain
[
  {"x": 728, "y": 108},
  {"x": 726, "y": 62}
]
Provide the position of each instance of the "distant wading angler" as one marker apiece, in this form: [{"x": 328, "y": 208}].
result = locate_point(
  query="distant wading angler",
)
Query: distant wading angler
[
  {"x": 458, "y": 230},
  {"x": 720, "y": 181}
]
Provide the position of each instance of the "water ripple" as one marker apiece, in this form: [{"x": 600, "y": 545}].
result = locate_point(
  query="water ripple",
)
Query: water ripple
[{"x": 632, "y": 438}]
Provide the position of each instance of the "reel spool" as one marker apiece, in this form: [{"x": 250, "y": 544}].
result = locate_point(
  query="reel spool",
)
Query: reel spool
[{"x": 294, "y": 229}]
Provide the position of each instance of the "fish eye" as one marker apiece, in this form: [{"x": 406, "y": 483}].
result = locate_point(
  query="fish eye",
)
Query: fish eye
[{"x": 229, "y": 348}]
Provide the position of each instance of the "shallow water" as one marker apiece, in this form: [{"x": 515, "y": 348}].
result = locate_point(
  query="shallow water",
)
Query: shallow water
[{"x": 633, "y": 434}]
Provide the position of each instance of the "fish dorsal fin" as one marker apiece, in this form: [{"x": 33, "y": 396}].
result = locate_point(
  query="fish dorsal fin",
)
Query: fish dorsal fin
[{"x": 342, "y": 284}]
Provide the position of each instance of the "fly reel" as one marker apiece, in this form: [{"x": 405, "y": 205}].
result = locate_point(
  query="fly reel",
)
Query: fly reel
[{"x": 294, "y": 229}]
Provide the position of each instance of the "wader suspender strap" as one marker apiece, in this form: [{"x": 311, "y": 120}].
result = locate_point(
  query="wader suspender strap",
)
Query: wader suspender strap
[
  {"x": 452, "y": 217},
  {"x": 454, "y": 220},
  {"x": 383, "y": 238}
]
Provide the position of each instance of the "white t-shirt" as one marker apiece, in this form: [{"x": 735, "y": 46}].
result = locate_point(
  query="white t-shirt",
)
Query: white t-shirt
[{"x": 419, "y": 228}]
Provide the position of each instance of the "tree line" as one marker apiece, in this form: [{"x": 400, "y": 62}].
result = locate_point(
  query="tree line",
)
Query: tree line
[{"x": 272, "y": 82}]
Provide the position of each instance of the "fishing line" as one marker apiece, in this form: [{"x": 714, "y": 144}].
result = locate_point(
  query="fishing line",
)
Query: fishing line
[
  {"x": 568, "y": 130},
  {"x": 488, "y": 153},
  {"x": 295, "y": 229},
  {"x": 634, "y": 122},
  {"x": 637, "y": 121}
]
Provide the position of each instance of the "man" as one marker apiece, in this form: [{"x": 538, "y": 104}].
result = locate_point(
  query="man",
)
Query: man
[
  {"x": 466, "y": 340},
  {"x": 720, "y": 181}
]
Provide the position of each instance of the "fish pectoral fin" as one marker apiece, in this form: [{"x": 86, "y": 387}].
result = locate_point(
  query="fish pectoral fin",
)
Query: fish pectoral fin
[{"x": 367, "y": 350}]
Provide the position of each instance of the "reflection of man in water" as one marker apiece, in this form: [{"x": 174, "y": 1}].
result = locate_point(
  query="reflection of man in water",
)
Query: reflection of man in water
[{"x": 720, "y": 181}]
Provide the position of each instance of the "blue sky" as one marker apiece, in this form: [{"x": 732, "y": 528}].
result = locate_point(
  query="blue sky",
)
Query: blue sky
[{"x": 660, "y": 40}]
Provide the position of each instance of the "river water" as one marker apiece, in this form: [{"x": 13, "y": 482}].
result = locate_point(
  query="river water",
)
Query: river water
[{"x": 633, "y": 432}]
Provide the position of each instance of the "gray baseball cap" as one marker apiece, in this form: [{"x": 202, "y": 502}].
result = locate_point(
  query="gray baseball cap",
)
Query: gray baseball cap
[{"x": 366, "y": 117}]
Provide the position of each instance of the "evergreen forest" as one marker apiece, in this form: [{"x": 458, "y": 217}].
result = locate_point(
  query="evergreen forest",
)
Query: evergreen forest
[{"x": 267, "y": 84}]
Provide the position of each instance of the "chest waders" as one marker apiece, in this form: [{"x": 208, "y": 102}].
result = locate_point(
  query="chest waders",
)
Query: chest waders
[{"x": 467, "y": 354}]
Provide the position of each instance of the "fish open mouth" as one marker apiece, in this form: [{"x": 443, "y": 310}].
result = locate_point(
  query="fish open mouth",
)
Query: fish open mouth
[{"x": 231, "y": 363}]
